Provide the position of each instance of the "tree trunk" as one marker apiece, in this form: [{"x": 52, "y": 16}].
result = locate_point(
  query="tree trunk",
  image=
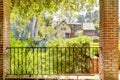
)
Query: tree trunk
[{"x": 34, "y": 28}]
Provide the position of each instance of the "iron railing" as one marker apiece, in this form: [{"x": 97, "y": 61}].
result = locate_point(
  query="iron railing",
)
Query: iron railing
[{"x": 51, "y": 60}]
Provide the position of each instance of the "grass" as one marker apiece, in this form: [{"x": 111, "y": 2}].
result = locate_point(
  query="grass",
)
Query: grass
[{"x": 94, "y": 44}]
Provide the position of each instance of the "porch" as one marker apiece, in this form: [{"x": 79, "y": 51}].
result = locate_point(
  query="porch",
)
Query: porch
[{"x": 108, "y": 37}]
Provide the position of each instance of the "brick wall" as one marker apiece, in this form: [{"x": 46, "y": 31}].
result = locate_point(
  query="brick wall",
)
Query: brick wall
[
  {"x": 4, "y": 31},
  {"x": 1, "y": 39},
  {"x": 109, "y": 39}
]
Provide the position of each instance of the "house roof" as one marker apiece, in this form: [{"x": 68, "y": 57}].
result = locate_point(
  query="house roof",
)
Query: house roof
[
  {"x": 88, "y": 26},
  {"x": 85, "y": 26},
  {"x": 75, "y": 24},
  {"x": 61, "y": 23}
]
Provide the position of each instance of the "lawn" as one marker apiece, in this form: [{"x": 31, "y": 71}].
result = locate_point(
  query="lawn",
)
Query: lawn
[{"x": 94, "y": 44}]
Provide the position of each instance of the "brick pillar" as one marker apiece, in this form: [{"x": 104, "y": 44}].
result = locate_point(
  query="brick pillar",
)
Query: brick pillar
[
  {"x": 95, "y": 65},
  {"x": 1, "y": 41},
  {"x": 4, "y": 31},
  {"x": 109, "y": 39}
]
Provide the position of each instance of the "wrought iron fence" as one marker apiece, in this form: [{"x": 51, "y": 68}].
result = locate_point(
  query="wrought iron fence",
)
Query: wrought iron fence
[{"x": 52, "y": 60}]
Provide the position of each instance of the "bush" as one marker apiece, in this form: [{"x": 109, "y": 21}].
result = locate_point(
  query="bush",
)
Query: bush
[
  {"x": 72, "y": 42},
  {"x": 20, "y": 43},
  {"x": 72, "y": 56},
  {"x": 96, "y": 40},
  {"x": 80, "y": 55}
]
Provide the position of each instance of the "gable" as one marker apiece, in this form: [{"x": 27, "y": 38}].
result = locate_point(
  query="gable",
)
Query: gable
[{"x": 63, "y": 24}]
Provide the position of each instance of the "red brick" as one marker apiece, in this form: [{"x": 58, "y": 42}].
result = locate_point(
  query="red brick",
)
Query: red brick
[
  {"x": 109, "y": 39},
  {"x": 4, "y": 30}
]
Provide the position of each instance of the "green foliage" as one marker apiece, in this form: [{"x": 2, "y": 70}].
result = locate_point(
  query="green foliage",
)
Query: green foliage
[
  {"x": 71, "y": 42},
  {"x": 21, "y": 12},
  {"x": 34, "y": 7},
  {"x": 25, "y": 61},
  {"x": 61, "y": 56},
  {"x": 16, "y": 43},
  {"x": 20, "y": 43},
  {"x": 73, "y": 52},
  {"x": 96, "y": 40},
  {"x": 94, "y": 44}
]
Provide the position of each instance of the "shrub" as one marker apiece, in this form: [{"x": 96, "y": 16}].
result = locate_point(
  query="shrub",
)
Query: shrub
[
  {"x": 96, "y": 40},
  {"x": 79, "y": 58}
]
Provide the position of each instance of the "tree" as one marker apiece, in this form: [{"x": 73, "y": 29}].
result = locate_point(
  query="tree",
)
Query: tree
[
  {"x": 29, "y": 8},
  {"x": 26, "y": 13},
  {"x": 81, "y": 19}
]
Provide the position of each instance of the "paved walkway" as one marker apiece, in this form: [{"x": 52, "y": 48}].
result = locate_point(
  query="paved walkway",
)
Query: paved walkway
[
  {"x": 84, "y": 77},
  {"x": 95, "y": 77}
]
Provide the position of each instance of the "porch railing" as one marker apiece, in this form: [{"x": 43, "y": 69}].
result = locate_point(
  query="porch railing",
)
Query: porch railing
[{"x": 52, "y": 60}]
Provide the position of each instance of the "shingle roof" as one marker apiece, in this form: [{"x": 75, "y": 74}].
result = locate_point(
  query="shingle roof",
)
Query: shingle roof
[
  {"x": 61, "y": 23},
  {"x": 88, "y": 26},
  {"x": 75, "y": 24},
  {"x": 84, "y": 26}
]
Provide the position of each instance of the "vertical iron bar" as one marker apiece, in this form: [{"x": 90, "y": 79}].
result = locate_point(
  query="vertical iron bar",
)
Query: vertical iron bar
[
  {"x": 73, "y": 61},
  {"x": 57, "y": 60},
  {"x": 45, "y": 60},
  {"x": 18, "y": 61},
  {"x": 86, "y": 60},
  {"x": 37, "y": 61},
  {"x": 28, "y": 49},
  {"x": 14, "y": 60},
  {"x": 61, "y": 59},
  {"x": 80, "y": 59},
  {"x": 33, "y": 60},
  {"x": 93, "y": 59},
  {"x": 25, "y": 56},
  {"x": 69, "y": 60},
  {"x": 53, "y": 60},
  {"x": 41, "y": 59},
  {"x": 65, "y": 58},
  {"x": 89, "y": 59},
  {"x": 22, "y": 59},
  {"x": 49, "y": 60}
]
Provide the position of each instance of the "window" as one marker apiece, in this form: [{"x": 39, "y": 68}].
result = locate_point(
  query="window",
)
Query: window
[{"x": 63, "y": 29}]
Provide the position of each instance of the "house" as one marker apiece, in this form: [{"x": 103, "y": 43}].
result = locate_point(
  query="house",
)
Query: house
[
  {"x": 66, "y": 30},
  {"x": 88, "y": 29},
  {"x": 63, "y": 30}
]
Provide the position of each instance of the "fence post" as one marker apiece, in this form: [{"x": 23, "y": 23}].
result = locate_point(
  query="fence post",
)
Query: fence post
[{"x": 95, "y": 64}]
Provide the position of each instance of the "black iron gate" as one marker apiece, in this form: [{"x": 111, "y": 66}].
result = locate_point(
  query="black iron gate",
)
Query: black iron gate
[{"x": 52, "y": 60}]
